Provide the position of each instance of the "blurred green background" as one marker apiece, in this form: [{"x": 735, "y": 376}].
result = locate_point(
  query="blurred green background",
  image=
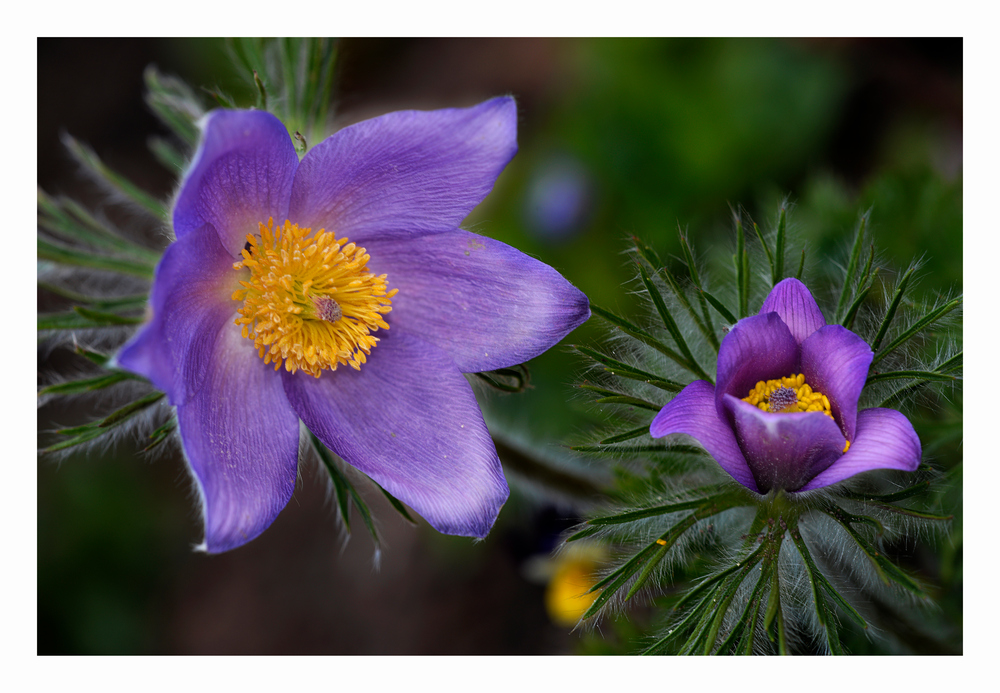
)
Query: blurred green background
[{"x": 617, "y": 137}]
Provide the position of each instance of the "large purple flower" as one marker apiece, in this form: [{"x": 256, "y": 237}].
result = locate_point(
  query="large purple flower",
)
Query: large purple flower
[
  {"x": 279, "y": 262},
  {"x": 784, "y": 411}
]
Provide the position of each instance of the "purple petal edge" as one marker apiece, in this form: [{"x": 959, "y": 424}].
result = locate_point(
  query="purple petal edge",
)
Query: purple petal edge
[
  {"x": 784, "y": 450},
  {"x": 486, "y": 304},
  {"x": 241, "y": 176},
  {"x": 885, "y": 440},
  {"x": 835, "y": 362},
  {"x": 796, "y": 307},
  {"x": 405, "y": 172},
  {"x": 241, "y": 441},
  {"x": 693, "y": 413},
  {"x": 409, "y": 420},
  {"x": 190, "y": 301},
  {"x": 757, "y": 348}
]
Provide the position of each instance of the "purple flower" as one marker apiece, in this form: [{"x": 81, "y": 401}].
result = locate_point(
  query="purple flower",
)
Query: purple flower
[
  {"x": 784, "y": 411},
  {"x": 279, "y": 262}
]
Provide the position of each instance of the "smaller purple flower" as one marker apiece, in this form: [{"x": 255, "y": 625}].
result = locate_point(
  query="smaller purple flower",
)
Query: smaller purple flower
[{"x": 784, "y": 411}]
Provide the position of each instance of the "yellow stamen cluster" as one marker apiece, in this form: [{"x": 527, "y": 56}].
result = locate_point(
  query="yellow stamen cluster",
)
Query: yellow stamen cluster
[
  {"x": 309, "y": 301},
  {"x": 776, "y": 396}
]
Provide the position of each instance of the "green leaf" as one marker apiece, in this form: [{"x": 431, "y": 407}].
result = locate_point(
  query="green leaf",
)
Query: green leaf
[
  {"x": 890, "y": 312},
  {"x": 852, "y": 264},
  {"x": 891, "y": 497},
  {"x": 918, "y": 375},
  {"x": 709, "y": 328},
  {"x": 64, "y": 217},
  {"x": 583, "y": 533},
  {"x": 87, "y": 384},
  {"x": 512, "y": 380},
  {"x": 627, "y": 435},
  {"x": 161, "y": 434},
  {"x": 341, "y": 485},
  {"x": 704, "y": 585},
  {"x": 722, "y": 605},
  {"x": 86, "y": 156},
  {"x": 670, "y": 324},
  {"x": 952, "y": 364},
  {"x": 614, "y": 582},
  {"x": 131, "y": 409},
  {"x": 767, "y": 250},
  {"x": 647, "y": 570},
  {"x": 94, "y": 356},
  {"x": 397, "y": 505},
  {"x": 612, "y": 397},
  {"x": 852, "y": 312},
  {"x": 919, "y": 325},
  {"x": 95, "y": 429},
  {"x": 693, "y": 618},
  {"x": 722, "y": 310},
  {"x": 660, "y": 269},
  {"x": 175, "y": 103},
  {"x": 643, "y": 336},
  {"x": 655, "y": 511},
  {"x": 125, "y": 302},
  {"x": 748, "y": 618},
  {"x": 779, "y": 249},
  {"x": 886, "y": 569},
  {"x": 742, "y": 262},
  {"x": 642, "y": 449},
  {"x": 345, "y": 492},
  {"x": 625, "y": 371},
  {"x": 773, "y": 605},
  {"x": 909, "y": 512},
  {"x": 105, "y": 318},
  {"x": 82, "y": 318},
  {"x": 172, "y": 158},
  {"x": 80, "y": 258},
  {"x": 77, "y": 439},
  {"x": 802, "y": 265},
  {"x": 821, "y": 586}
]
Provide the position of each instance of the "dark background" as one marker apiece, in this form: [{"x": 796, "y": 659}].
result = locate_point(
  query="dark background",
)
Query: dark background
[{"x": 635, "y": 137}]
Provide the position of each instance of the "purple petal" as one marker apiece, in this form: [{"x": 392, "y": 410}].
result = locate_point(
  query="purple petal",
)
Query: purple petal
[
  {"x": 835, "y": 362},
  {"x": 757, "y": 348},
  {"x": 405, "y": 172},
  {"x": 484, "y": 303},
  {"x": 408, "y": 419},
  {"x": 190, "y": 301},
  {"x": 785, "y": 450},
  {"x": 797, "y": 308},
  {"x": 241, "y": 439},
  {"x": 241, "y": 175},
  {"x": 885, "y": 440},
  {"x": 693, "y": 412}
]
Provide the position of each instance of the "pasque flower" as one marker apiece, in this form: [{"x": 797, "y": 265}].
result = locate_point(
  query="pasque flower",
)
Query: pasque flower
[
  {"x": 783, "y": 413},
  {"x": 338, "y": 290}
]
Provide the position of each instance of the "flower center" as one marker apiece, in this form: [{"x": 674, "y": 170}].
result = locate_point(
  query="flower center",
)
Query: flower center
[
  {"x": 309, "y": 301},
  {"x": 787, "y": 396}
]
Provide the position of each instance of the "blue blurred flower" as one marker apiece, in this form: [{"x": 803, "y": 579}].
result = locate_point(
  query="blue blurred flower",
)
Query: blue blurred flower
[
  {"x": 268, "y": 267},
  {"x": 784, "y": 411},
  {"x": 559, "y": 199}
]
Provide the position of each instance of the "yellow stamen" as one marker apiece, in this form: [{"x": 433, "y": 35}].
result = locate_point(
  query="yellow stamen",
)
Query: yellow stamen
[
  {"x": 788, "y": 395},
  {"x": 309, "y": 300}
]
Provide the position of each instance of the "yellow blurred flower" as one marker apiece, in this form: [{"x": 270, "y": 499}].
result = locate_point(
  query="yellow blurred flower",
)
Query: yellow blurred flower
[{"x": 573, "y": 571}]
